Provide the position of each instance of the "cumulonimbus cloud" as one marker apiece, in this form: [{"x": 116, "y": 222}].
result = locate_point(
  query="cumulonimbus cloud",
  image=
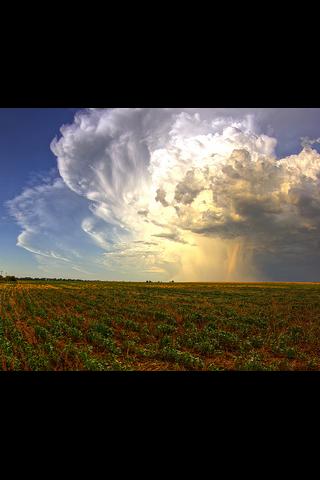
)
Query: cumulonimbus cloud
[{"x": 191, "y": 194}]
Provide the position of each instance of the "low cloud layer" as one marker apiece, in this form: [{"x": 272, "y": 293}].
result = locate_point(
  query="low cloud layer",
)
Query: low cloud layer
[{"x": 189, "y": 194}]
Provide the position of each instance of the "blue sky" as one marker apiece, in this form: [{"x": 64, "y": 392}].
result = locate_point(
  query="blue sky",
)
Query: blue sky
[
  {"x": 25, "y": 137},
  {"x": 125, "y": 194}
]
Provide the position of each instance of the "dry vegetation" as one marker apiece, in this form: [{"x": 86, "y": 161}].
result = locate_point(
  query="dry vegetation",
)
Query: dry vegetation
[{"x": 136, "y": 326}]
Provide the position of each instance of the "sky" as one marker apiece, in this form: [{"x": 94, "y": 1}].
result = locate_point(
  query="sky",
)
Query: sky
[{"x": 184, "y": 194}]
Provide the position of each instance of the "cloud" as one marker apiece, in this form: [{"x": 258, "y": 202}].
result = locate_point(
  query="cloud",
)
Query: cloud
[
  {"x": 188, "y": 189},
  {"x": 173, "y": 236},
  {"x": 161, "y": 197},
  {"x": 208, "y": 184},
  {"x": 50, "y": 217}
]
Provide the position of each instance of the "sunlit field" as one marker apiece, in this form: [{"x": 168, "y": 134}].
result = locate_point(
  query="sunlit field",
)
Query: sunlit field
[{"x": 157, "y": 326}]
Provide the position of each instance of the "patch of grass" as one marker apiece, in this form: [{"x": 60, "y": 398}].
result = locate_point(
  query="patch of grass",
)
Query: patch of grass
[
  {"x": 99, "y": 340},
  {"x": 256, "y": 341},
  {"x": 214, "y": 368},
  {"x": 228, "y": 341},
  {"x": 285, "y": 345},
  {"x": 41, "y": 332},
  {"x": 132, "y": 326},
  {"x": 164, "y": 317},
  {"x": 253, "y": 363},
  {"x": 186, "y": 359},
  {"x": 92, "y": 363},
  {"x": 165, "y": 329}
]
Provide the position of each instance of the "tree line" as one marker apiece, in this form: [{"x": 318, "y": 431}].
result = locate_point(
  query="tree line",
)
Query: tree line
[{"x": 8, "y": 278}]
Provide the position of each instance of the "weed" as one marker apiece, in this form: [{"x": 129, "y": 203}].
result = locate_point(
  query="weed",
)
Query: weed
[
  {"x": 181, "y": 358},
  {"x": 166, "y": 329}
]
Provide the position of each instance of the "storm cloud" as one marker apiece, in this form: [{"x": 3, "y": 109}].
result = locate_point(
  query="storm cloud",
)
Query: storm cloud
[{"x": 190, "y": 194}]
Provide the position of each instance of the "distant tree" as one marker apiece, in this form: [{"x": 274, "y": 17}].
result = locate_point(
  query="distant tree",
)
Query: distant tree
[{"x": 10, "y": 278}]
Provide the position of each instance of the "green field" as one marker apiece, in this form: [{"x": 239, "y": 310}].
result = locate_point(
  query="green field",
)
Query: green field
[{"x": 138, "y": 326}]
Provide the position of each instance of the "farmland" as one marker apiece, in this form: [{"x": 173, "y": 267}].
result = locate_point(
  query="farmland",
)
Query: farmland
[{"x": 70, "y": 325}]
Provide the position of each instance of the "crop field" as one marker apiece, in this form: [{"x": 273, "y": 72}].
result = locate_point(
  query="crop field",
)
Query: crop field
[{"x": 157, "y": 326}]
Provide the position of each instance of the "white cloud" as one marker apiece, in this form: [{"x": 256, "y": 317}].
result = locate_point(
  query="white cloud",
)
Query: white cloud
[
  {"x": 185, "y": 193},
  {"x": 50, "y": 216}
]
